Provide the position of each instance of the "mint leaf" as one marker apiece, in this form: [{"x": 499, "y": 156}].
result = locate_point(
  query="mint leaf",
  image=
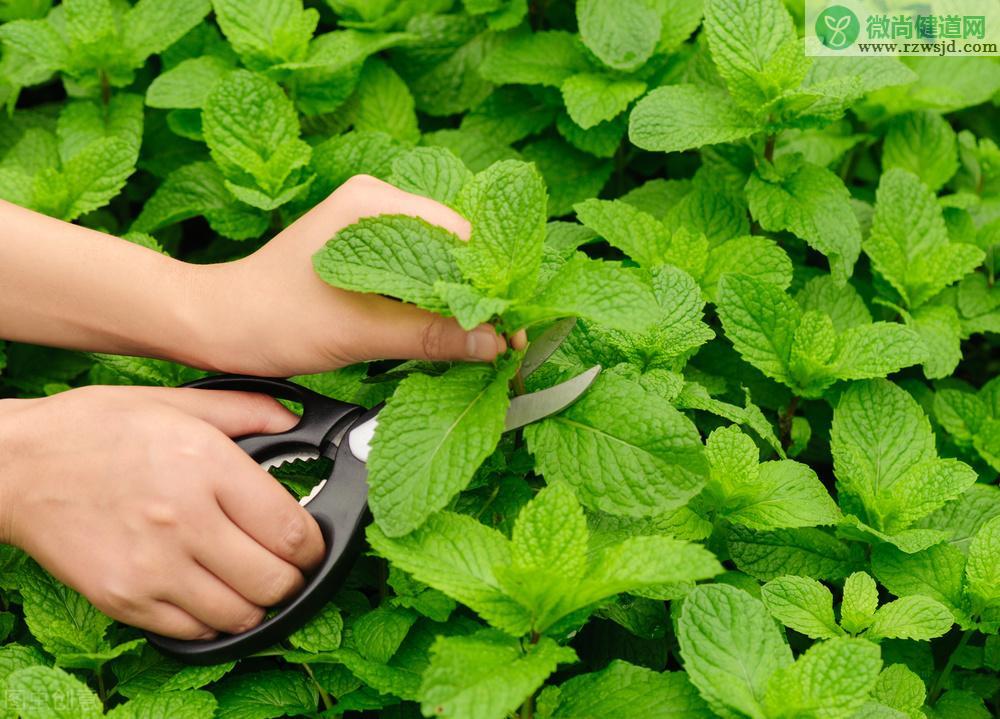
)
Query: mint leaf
[
  {"x": 151, "y": 26},
  {"x": 937, "y": 572},
  {"x": 748, "y": 43},
  {"x": 506, "y": 206},
  {"x": 924, "y": 144},
  {"x": 681, "y": 117},
  {"x": 50, "y": 693},
  {"x": 908, "y": 243},
  {"x": 802, "y": 604},
  {"x": 168, "y": 705},
  {"x": 266, "y": 33},
  {"x": 761, "y": 321},
  {"x": 859, "y": 603},
  {"x": 486, "y": 674},
  {"x": 593, "y": 98},
  {"x": 471, "y": 307},
  {"x": 613, "y": 464},
  {"x": 322, "y": 633},
  {"x": 264, "y": 695},
  {"x": 805, "y": 551},
  {"x": 730, "y": 647},
  {"x": 396, "y": 255},
  {"x": 626, "y": 691},
  {"x": 914, "y": 617},
  {"x": 899, "y": 688},
  {"x": 812, "y": 203},
  {"x": 635, "y": 232},
  {"x": 252, "y": 130},
  {"x": 451, "y": 424},
  {"x": 541, "y": 58},
  {"x": 433, "y": 172},
  {"x": 383, "y": 103},
  {"x": 983, "y": 569},
  {"x": 623, "y": 36},
  {"x": 188, "y": 84},
  {"x": 457, "y": 555},
  {"x": 832, "y": 678}
]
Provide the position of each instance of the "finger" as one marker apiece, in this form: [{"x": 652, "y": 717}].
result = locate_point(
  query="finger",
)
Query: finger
[
  {"x": 246, "y": 566},
  {"x": 172, "y": 621},
  {"x": 213, "y": 602},
  {"x": 255, "y": 502},
  {"x": 234, "y": 413},
  {"x": 519, "y": 340},
  {"x": 386, "y": 329}
]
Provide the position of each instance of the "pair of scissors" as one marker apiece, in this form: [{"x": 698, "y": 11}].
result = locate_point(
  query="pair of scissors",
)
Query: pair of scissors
[{"x": 342, "y": 432}]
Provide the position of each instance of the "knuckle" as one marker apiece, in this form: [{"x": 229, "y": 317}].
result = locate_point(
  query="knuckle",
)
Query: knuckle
[
  {"x": 247, "y": 620},
  {"x": 280, "y": 586},
  {"x": 432, "y": 337},
  {"x": 294, "y": 534},
  {"x": 117, "y": 599},
  {"x": 161, "y": 513}
]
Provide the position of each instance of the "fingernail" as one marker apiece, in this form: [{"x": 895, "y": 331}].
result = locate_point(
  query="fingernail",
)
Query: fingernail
[{"x": 481, "y": 345}]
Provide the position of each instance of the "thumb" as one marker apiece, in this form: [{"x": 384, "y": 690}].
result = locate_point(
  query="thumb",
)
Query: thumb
[
  {"x": 233, "y": 413},
  {"x": 394, "y": 330}
]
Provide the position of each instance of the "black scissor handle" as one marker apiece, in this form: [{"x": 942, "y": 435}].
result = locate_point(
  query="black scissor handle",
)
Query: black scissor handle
[{"x": 340, "y": 508}]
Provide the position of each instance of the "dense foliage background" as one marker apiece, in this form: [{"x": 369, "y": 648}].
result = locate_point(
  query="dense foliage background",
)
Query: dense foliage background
[{"x": 792, "y": 231}]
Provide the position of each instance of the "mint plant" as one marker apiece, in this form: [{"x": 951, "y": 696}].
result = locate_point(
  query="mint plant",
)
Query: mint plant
[{"x": 778, "y": 499}]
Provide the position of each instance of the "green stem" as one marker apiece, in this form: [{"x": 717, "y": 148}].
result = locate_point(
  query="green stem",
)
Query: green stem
[
  {"x": 528, "y": 708},
  {"x": 785, "y": 422},
  {"x": 769, "y": 148},
  {"x": 102, "y": 691},
  {"x": 324, "y": 696},
  {"x": 938, "y": 685}
]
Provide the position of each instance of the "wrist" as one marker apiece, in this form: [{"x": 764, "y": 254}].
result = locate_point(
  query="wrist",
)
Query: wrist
[{"x": 12, "y": 452}]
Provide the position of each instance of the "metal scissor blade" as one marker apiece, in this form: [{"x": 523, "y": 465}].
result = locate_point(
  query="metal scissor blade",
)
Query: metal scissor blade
[
  {"x": 523, "y": 410},
  {"x": 532, "y": 407},
  {"x": 542, "y": 347}
]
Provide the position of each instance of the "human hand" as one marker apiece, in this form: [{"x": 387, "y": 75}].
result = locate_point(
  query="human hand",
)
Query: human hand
[
  {"x": 137, "y": 498},
  {"x": 270, "y": 314}
]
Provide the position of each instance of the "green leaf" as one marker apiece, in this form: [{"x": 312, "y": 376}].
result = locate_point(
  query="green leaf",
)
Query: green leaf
[
  {"x": 486, "y": 675},
  {"x": 252, "y": 130},
  {"x": 506, "y": 206},
  {"x": 601, "y": 291},
  {"x": 383, "y": 103},
  {"x": 322, "y": 633},
  {"x": 539, "y": 58},
  {"x": 914, "y": 617},
  {"x": 682, "y": 117},
  {"x": 613, "y": 463},
  {"x": 899, "y": 688},
  {"x": 760, "y": 320},
  {"x": 627, "y": 691},
  {"x": 62, "y": 620},
  {"x": 470, "y": 306},
  {"x": 875, "y": 350},
  {"x": 395, "y": 255},
  {"x": 622, "y": 36},
  {"x": 860, "y": 601},
  {"x": 805, "y": 551},
  {"x": 908, "y": 243},
  {"x": 921, "y": 489},
  {"x": 924, "y": 144},
  {"x": 456, "y": 555},
  {"x": 593, "y": 98},
  {"x": 151, "y": 26},
  {"x": 50, "y": 693},
  {"x": 803, "y": 604},
  {"x": 635, "y": 232},
  {"x": 937, "y": 572},
  {"x": 831, "y": 678},
  {"x": 754, "y": 256},
  {"x": 940, "y": 330},
  {"x": 730, "y": 647},
  {"x": 188, "y": 84},
  {"x": 812, "y": 203},
  {"x": 265, "y": 694},
  {"x": 267, "y": 32},
  {"x": 571, "y": 175},
  {"x": 433, "y": 172},
  {"x": 432, "y": 436},
  {"x": 983, "y": 569},
  {"x": 168, "y": 705},
  {"x": 749, "y": 43}
]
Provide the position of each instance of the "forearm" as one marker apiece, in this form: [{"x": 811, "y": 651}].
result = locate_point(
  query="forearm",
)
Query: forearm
[{"x": 67, "y": 286}]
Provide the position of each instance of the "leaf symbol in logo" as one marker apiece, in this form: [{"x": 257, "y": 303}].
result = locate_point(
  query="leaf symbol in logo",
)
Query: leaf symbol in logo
[{"x": 837, "y": 27}]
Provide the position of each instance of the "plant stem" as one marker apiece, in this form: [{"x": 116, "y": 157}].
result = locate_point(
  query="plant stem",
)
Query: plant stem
[
  {"x": 938, "y": 684},
  {"x": 528, "y": 708},
  {"x": 105, "y": 88},
  {"x": 517, "y": 383},
  {"x": 324, "y": 696},
  {"x": 102, "y": 691},
  {"x": 785, "y": 422},
  {"x": 769, "y": 148}
]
